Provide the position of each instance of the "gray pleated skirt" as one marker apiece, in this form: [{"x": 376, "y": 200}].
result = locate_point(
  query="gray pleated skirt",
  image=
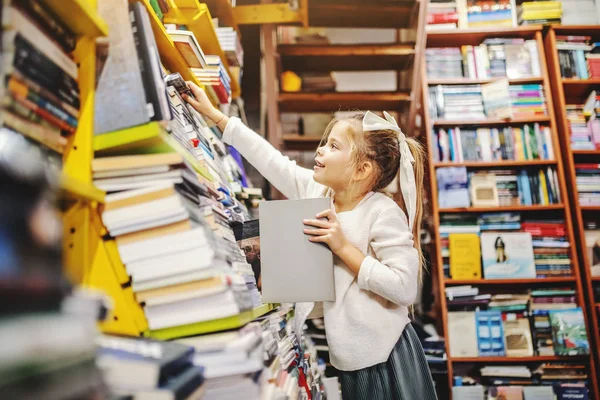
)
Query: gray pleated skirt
[{"x": 404, "y": 376}]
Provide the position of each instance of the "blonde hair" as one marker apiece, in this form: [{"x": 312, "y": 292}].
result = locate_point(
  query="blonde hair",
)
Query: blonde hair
[{"x": 382, "y": 147}]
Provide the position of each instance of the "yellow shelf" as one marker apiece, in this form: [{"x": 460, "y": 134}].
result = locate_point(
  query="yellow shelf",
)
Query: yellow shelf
[
  {"x": 144, "y": 139},
  {"x": 197, "y": 18},
  {"x": 217, "y": 325},
  {"x": 80, "y": 16},
  {"x": 74, "y": 189}
]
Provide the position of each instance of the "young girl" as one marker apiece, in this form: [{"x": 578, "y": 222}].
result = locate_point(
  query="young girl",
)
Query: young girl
[{"x": 362, "y": 164}]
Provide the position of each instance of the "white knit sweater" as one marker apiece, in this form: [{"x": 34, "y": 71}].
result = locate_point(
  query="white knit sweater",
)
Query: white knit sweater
[{"x": 371, "y": 310}]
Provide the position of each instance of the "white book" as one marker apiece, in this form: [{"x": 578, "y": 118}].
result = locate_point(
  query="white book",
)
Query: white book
[
  {"x": 176, "y": 279},
  {"x": 187, "y": 40},
  {"x": 139, "y": 213},
  {"x": 468, "y": 392},
  {"x": 192, "y": 294},
  {"x": 191, "y": 311},
  {"x": 132, "y": 171},
  {"x": 174, "y": 243},
  {"x": 174, "y": 263},
  {"x": 462, "y": 340}
]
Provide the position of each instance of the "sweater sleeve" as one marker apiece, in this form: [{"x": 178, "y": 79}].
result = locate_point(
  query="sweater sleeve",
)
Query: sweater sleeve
[
  {"x": 283, "y": 173},
  {"x": 393, "y": 272}
]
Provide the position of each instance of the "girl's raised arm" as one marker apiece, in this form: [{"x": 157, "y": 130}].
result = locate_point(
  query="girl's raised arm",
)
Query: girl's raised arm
[{"x": 283, "y": 173}]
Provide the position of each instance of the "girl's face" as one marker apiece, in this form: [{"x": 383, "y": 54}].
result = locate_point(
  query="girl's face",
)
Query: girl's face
[{"x": 333, "y": 166}]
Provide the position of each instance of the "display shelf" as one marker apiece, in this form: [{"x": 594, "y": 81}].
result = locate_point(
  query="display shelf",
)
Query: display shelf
[
  {"x": 509, "y": 282},
  {"x": 79, "y": 16},
  {"x": 495, "y": 164},
  {"x": 301, "y": 142},
  {"x": 586, "y": 152},
  {"x": 551, "y": 207},
  {"x": 463, "y": 37},
  {"x": 469, "y": 81},
  {"x": 144, "y": 139},
  {"x": 589, "y": 208},
  {"x": 74, "y": 189},
  {"x": 333, "y": 57},
  {"x": 217, "y": 325},
  {"x": 491, "y": 121},
  {"x": 334, "y": 101}
]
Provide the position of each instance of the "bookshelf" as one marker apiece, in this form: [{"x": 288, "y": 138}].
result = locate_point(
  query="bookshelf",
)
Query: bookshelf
[
  {"x": 473, "y": 37},
  {"x": 575, "y": 91}
]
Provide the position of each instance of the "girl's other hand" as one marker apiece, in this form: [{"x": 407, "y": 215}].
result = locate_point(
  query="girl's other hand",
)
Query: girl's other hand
[
  {"x": 328, "y": 232},
  {"x": 201, "y": 103}
]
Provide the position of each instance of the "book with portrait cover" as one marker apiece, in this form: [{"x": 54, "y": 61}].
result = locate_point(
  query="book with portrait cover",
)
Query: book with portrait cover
[{"x": 507, "y": 255}]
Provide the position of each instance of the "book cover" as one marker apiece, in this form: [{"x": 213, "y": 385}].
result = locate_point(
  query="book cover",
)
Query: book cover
[
  {"x": 538, "y": 393},
  {"x": 247, "y": 235},
  {"x": 506, "y": 392},
  {"x": 507, "y": 255},
  {"x": 490, "y": 333},
  {"x": 518, "y": 338},
  {"x": 462, "y": 332},
  {"x": 569, "y": 333},
  {"x": 571, "y": 392},
  {"x": 465, "y": 256},
  {"x": 453, "y": 187}
]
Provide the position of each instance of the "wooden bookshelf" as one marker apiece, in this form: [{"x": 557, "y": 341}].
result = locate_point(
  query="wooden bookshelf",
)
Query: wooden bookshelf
[
  {"x": 572, "y": 90},
  {"x": 461, "y": 37},
  {"x": 300, "y": 58},
  {"x": 323, "y": 102},
  {"x": 358, "y": 14},
  {"x": 301, "y": 142}
]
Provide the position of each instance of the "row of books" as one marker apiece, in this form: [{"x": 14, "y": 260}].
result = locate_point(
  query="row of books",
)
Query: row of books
[
  {"x": 493, "y": 100},
  {"x": 495, "y": 57},
  {"x": 40, "y": 90},
  {"x": 508, "y": 187},
  {"x": 584, "y": 126},
  {"x": 548, "y": 381},
  {"x": 519, "y": 143},
  {"x": 231, "y": 44},
  {"x": 540, "y": 322},
  {"x": 578, "y": 57},
  {"x": 588, "y": 184},
  {"x": 539, "y": 247}
]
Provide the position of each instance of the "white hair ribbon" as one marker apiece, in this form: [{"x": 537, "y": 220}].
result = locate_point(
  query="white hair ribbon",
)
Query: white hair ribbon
[{"x": 406, "y": 174}]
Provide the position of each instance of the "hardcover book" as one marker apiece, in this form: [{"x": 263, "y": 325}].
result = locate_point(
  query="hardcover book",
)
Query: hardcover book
[{"x": 507, "y": 255}]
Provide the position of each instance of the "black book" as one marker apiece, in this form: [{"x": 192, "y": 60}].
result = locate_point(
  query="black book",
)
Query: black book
[
  {"x": 142, "y": 363},
  {"x": 34, "y": 65},
  {"x": 147, "y": 53}
]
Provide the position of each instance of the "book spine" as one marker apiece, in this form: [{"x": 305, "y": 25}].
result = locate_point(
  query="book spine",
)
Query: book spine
[
  {"x": 21, "y": 91},
  {"x": 44, "y": 93},
  {"x": 43, "y": 113},
  {"x": 47, "y": 136}
]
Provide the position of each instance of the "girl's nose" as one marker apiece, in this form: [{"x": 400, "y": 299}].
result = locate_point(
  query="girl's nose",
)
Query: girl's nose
[{"x": 319, "y": 151}]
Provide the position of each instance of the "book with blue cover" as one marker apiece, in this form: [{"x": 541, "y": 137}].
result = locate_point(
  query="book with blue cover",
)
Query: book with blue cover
[
  {"x": 453, "y": 187},
  {"x": 490, "y": 333},
  {"x": 507, "y": 255}
]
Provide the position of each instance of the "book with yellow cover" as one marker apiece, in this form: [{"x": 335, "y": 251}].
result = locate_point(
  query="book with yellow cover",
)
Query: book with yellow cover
[{"x": 465, "y": 256}]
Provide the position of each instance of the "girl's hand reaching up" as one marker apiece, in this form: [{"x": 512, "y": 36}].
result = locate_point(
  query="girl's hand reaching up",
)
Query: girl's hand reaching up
[
  {"x": 202, "y": 104},
  {"x": 328, "y": 232}
]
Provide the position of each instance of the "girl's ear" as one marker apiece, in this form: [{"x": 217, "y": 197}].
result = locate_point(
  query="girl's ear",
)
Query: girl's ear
[{"x": 364, "y": 170}]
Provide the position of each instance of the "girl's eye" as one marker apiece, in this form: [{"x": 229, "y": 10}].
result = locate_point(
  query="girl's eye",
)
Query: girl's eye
[{"x": 334, "y": 146}]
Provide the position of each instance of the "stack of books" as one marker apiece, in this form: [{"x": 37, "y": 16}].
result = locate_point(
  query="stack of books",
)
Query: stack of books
[
  {"x": 528, "y": 101},
  {"x": 588, "y": 184},
  {"x": 215, "y": 75},
  {"x": 593, "y": 61},
  {"x": 540, "y": 12},
  {"x": 232, "y": 46},
  {"x": 444, "y": 62},
  {"x": 485, "y": 14},
  {"x": 143, "y": 368},
  {"x": 318, "y": 82},
  {"x": 572, "y": 56},
  {"x": 551, "y": 260},
  {"x": 584, "y": 126},
  {"x": 442, "y": 15},
  {"x": 527, "y": 142},
  {"x": 40, "y": 90}
]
